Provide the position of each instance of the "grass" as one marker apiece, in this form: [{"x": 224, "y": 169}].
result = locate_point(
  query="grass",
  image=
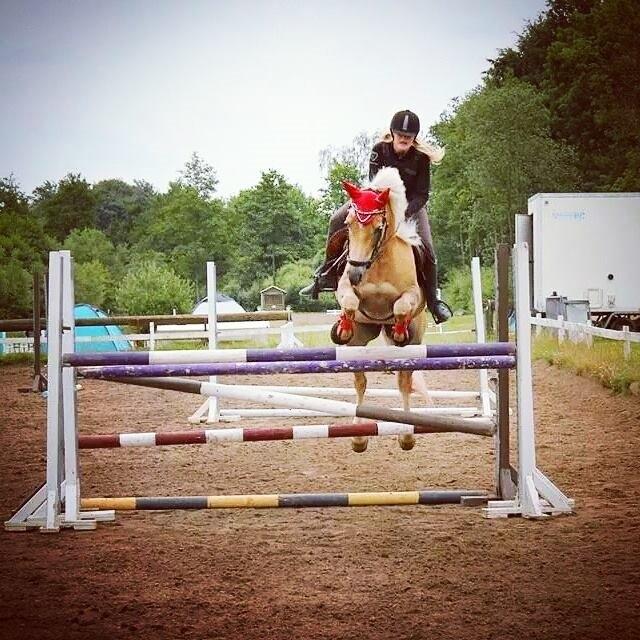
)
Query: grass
[{"x": 603, "y": 361}]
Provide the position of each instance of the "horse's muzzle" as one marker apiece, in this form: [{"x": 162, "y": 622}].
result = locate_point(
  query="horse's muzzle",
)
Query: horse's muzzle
[{"x": 355, "y": 274}]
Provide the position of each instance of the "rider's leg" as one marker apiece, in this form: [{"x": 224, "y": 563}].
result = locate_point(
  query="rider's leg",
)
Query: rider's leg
[
  {"x": 440, "y": 310},
  {"x": 325, "y": 278}
]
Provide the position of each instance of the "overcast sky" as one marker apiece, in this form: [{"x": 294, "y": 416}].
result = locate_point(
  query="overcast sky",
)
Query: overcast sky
[{"x": 129, "y": 89}]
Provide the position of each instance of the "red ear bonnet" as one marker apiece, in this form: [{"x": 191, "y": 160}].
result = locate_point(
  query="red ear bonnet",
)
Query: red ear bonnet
[{"x": 366, "y": 202}]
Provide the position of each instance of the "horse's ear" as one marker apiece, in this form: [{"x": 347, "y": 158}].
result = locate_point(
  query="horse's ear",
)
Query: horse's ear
[
  {"x": 351, "y": 189},
  {"x": 383, "y": 197}
]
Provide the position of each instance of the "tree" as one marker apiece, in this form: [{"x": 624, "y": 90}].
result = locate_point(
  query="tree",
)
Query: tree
[
  {"x": 458, "y": 288},
  {"x": 88, "y": 245},
  {"x": 119, "y": 206},
  {"x": 67, "y": 206},
  {"x": 200, "y": 176},
  {"x": 356, "y": 154},
  {"x": 583, "y": 55},
  {"x": 93, "y": 283},
  {"x": 23, "y": 249},
  {"x": 275, "y": 223},
  {"x": 188, "y": 230},
  {"x": 150, "y": 288},
  {"x": 499, "y": 153},
  {"x": 333, "y": 195}
]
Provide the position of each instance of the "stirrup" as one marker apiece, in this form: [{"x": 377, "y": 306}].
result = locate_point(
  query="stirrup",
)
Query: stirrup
[{"x": 441, "y": 312}]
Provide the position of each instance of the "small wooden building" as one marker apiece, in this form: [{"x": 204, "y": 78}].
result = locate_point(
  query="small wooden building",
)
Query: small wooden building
[{"x": 272, "y": 299}]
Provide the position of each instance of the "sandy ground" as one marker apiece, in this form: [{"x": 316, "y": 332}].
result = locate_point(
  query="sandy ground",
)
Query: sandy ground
[{"x": 378, "y": 572}]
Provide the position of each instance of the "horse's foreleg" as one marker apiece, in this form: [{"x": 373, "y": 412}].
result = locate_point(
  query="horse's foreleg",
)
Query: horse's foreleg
[
  {"x": 404, "y": 309},
  {"x": 419, "y": 386},
  {"x": 342, "y": 331},
  {"x": 359, "y": 443},
  {"x": 407, "y": 440}
]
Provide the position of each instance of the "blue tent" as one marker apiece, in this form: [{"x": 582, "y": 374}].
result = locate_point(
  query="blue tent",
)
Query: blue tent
[{"x": 111, "y": 333}]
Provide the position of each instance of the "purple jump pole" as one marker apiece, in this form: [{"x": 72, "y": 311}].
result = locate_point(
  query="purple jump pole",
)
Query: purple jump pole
[
  {"x": 330, "y": 366},
  {"x": 306, "y": 354}
]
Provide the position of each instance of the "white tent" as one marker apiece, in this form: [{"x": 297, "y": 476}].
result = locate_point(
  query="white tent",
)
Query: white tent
[{"x": 224, "y": 304}]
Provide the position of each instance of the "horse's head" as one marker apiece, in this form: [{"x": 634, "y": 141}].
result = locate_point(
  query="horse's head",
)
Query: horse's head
[{"x": 367, "y": 222}]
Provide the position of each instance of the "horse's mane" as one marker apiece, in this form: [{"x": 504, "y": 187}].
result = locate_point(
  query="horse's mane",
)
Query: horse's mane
[{"x": 389, "y": 178}]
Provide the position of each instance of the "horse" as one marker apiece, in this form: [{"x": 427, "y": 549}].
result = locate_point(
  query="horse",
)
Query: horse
[{"x": 379, "y": 288}]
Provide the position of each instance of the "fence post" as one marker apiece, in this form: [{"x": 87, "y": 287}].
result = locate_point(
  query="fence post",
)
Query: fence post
[
  {"x": 538, "y": 327},
  {"x": 588, "y": 334},
  {"x": 152, "y": 336},
  {"x": 627, "y": 343},
  {"x": 561, "y": 332}
]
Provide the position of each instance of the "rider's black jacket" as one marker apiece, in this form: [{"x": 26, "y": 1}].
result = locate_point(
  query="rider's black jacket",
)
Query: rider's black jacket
[{"x": 414, "y": 169}]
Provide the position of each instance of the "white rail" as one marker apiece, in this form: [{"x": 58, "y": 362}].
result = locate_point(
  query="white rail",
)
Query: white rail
[{"x": 578, "y": 332}]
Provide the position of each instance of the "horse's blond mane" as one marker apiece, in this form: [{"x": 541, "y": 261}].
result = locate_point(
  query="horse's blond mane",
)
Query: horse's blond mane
[{"x": 389, "y": 178}]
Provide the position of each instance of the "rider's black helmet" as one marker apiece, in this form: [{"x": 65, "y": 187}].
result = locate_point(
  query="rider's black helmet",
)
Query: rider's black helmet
[{"x": 405, "y": 122}]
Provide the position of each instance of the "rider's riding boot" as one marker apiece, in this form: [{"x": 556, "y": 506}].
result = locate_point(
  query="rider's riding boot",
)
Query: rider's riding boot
[
  {"x": 324, "y": 279},
  {"x": 427, "y": 265},
  {"x": 326, "y": 276},
  {"x": 439, "y": 309}
]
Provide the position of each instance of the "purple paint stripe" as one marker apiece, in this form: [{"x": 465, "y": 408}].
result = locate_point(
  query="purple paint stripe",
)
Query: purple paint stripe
[
  {"x": 281, "y": 355},
  {"x": 330, "y": 366},
  {"x": 104, "y": 359}
]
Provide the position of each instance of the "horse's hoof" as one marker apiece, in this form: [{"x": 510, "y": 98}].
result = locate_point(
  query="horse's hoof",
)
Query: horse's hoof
[
  {"x": 339, "y": 337},
  {"x": 359, "y": 445},
  {"x": 406, "y": 442},
  {"x": 400, "y": 340}
]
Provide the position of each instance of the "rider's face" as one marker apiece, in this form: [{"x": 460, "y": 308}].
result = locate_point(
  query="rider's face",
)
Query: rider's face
[{"x": 402, "y": 142}]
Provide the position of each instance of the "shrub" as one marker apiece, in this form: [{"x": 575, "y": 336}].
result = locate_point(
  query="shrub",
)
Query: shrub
[{"x": 150, "y": 288}]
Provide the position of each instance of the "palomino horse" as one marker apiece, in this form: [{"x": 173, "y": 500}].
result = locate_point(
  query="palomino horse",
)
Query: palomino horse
[{"x": 379, "y": 287}]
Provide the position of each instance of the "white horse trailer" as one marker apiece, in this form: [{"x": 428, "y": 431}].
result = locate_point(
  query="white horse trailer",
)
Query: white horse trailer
[{"x": 586, "y": 247}]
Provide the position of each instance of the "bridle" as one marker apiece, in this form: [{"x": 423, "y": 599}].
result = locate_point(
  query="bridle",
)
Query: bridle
[{"x": 365, "y": 218}]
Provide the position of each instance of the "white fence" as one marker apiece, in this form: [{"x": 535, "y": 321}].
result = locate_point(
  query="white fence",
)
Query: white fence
[
  {"x": 285, "y": 332},
  {"x": 579, "y": 332}
]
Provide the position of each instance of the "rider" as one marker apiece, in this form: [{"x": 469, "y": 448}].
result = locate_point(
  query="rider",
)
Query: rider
[{"x": 400, "y": 149}]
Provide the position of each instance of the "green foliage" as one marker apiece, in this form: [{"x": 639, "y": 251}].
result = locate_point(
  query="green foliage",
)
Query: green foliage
[
  {"x": 200, "y": 176},
  {"x": 499, "y": 153},
  {"x": 188, "y": 230},
  {"x": 458, "y": 289},
  {"x": 93, "y": 284},
  {"x": 333, "y": 194},
  {"x": 66, "y": 206},
  {"x": 150, "y": 288},
  {"x": 604, "y": 360},
  {"x": 583, "y": 55},
  {"x": 88, "y": 245},
  {"x": 119, "y": 207},
  {"x": 295, "y": 275},
  {"x": 15, "y": 290},
  {"x": 273, "y": 223},
  {"x": 23, "y": 249},
  {"x": 356, "y": 154}
]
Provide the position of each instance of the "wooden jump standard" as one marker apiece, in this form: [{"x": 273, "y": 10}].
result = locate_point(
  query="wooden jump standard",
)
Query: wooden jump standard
[{"x": 58, "y": 502}]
